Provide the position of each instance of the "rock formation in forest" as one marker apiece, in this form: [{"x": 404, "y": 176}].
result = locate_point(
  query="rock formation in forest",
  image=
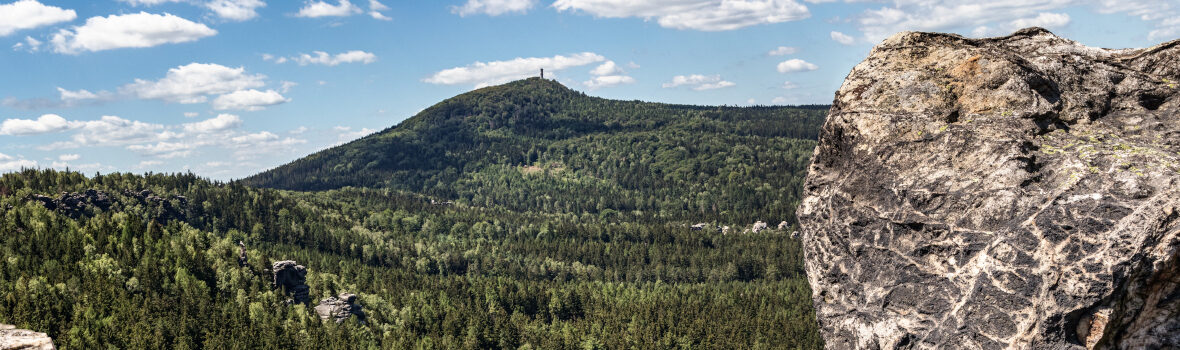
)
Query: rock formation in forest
[
  {"x": 1010, "y": 192},
  {"x": 340, "y": 308},
  {"x": 291, "y": 278},
  {"x": 13, "y": 339}
]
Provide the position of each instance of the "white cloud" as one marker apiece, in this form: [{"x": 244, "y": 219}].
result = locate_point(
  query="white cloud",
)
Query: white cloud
[
  {"x": 29, "y": 14},
  {"x": 235, "y": 10},
  {"x": 75, "y": 96},
  {"x": 9, "y": 163},
  {"x": 606, "y": 75},
  {"x": 483, "y": 74},
  {"x": 191, "y": 114},
  {"x": 220, "y": 123},
  {"x": 113, "y": 131},
  {"x": 705, "y": 15},
  {"x": 45, "y": 124},
  {"x": 148, "y": 163},
  {"x": 699, "y": 82},
  {"x": 492, "y": 7},
  {"x": 1047, "y": 20},
  {"x": 148, "y": 2},
  {"x": 68, "y": 157},
  {"x": 323, "y": 58},
  {"x": 842, "y": 38},
  {"x": 605, "y": 81},
  {"x": 192, "y": 83},
  {"x": 375, "y": 8},
  {"x": 30, "y": 45},
  {"x": 345, "y": 133},
  {"x": 164, "y": 150},
  {"x": 607, "y": 68},
  {"x": 783, "y": 51},
  {"x": 128, "y": 31},
  {"x": 950, "y": 15},
  {"x": 796, "y": 65},
  {"x": 315, "y": 9},
  {"x": 250, "y": 100},
  {"x": 789, "y": 85}
]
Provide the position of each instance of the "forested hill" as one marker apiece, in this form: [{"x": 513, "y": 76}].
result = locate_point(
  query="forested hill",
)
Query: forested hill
[{"x": 534, "y": 144}]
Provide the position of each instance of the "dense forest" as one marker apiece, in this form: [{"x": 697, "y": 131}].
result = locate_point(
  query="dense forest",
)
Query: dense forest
[
  {"x": 513, "y": 217},
  {"x": 535, "y": 145}
]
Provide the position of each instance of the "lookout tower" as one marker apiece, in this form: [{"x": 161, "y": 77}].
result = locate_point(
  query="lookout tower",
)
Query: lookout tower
[{"x": 542, "y": 73}]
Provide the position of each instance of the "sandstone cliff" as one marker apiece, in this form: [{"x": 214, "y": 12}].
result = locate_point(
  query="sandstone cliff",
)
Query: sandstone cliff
[
  {"x": 1011, "y": 192},
  {"x": 20, "y": 339}
]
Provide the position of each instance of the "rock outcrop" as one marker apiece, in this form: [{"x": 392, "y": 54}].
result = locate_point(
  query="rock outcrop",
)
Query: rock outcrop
[
  {"x": 14, "y": 339},
  {"x": 1013, "y": 192},
  {"x": 291, "y": 278},
  {"x": 74, "y": 204},
  {"x": 340, "y": 308}
]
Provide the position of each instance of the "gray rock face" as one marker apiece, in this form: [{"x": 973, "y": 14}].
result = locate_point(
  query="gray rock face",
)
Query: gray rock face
[
  {"x": 1013, "y": 192},
  {"x": 13, "y": 339},
  {"x": 291, "y": 278},
  {"x": 340, "y": 308}
]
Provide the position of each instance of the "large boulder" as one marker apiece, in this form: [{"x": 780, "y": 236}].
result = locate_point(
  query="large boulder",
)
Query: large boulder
[
  {"x": 1011, "y": 192},
  {"x": 291, "y": 278},
  {"x": 340, "y": 308},
  {"x": 13, "y": 339}
]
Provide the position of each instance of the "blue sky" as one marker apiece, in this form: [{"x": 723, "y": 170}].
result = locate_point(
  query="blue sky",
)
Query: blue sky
[{"x": 226, "y": 88}]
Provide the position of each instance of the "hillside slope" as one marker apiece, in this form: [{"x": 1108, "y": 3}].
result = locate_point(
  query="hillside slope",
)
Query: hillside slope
[{"x": 536, "y": 145}]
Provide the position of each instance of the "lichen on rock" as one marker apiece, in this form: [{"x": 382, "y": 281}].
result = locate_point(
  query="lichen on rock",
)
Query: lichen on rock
[{"x": 1010, "y": 192}]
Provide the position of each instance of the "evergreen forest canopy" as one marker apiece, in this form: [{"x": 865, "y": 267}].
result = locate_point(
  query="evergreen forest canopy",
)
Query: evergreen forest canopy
[{"x": 525, "y": 215}]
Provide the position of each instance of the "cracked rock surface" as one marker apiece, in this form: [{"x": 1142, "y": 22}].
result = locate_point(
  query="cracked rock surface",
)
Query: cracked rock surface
[
  {"x": 1012, "y": 192},
  {"x": 12, "y": 338}
]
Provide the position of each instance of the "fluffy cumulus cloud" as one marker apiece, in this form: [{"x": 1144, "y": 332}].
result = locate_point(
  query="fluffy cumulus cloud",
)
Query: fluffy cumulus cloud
[
  {"x": 606, "y": 75},
  {"x": 220, "y": 123},
  {"x": 45, "y": 124},
  {"x": 159, "y": 141},
  {"x": 986, "y": 17},
  {"x": 699, "y": 82},
  {"x": 705, "y": 15},
  {"x": 345, "y": 133},
  {"x": 235, "y": 10},
  {"x": 232, "y": 10},
  {"x": 29, "y": 14},
  {"x": 128, "y": 31},
  {"x": 783, "y": 51},
  {"x": 842, "y": 38},
  {"x": 342, "y": 8},
  {"x": 194, "y": 82},
  {"x": 324, "y": 58},
  {"x": 605, "y": 81},
  {"x": 249, "y": 100},
  {"x": 796, "y": 65},
  {"x": 492, "y": 7},
  {"x": 490, "y": 73},
  {"x": 9, "y": 163}
]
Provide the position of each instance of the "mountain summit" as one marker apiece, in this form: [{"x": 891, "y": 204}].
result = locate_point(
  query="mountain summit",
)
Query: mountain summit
[{"x": 534, "y": 144}]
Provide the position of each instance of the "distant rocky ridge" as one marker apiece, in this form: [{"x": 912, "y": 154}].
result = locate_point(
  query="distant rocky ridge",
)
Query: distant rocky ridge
[
  {"x": 1013, "y": 192},
  {"x": 75, "y": 204},
  {"x": 20, "y": 339}
]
